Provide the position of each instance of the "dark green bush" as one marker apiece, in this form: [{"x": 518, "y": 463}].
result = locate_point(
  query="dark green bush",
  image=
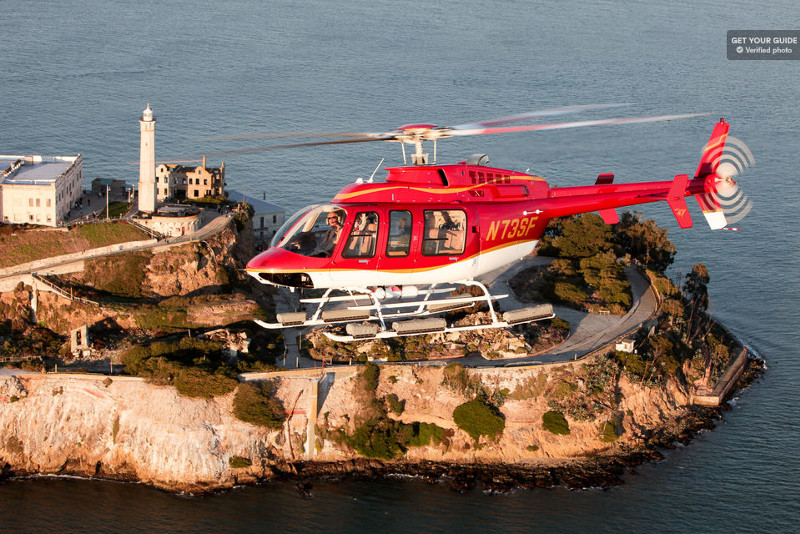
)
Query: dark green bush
[
  {"x": 378, "y": 438},
  {"x": 256, "y": 404},
  {"x": 395, "y": 404},
  {"x": 197, "y": 382},
  {"x": 555, "y": 422},
  {"x": 478, "y": 418},
  {"x": 368, "y": 377}
]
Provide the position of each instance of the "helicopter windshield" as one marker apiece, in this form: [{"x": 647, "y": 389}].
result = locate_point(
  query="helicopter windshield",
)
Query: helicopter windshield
[{"x": 312, "y": 231}]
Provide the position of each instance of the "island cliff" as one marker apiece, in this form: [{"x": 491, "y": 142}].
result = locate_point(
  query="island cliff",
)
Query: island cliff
[{"x": 578, "y": 423}]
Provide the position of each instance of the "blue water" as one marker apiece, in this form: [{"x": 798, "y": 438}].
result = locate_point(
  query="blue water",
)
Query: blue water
[{"x": 76, "y": 76}]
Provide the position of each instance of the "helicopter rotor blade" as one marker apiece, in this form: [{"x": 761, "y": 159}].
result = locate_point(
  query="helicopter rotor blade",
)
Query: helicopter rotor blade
[
  {"x": 575, "y": 124},
  {"x": 287, "y": 135},
  {"x": 551, "y": 112},
  {"x": 297, "y": 145}
]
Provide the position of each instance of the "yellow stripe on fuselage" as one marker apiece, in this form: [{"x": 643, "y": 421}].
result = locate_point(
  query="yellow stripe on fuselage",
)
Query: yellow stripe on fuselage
[{"x": 432, "y": 190}]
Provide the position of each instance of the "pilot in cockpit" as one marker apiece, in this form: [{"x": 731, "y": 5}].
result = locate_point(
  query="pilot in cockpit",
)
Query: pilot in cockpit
[{"x": 331, "y": 236}]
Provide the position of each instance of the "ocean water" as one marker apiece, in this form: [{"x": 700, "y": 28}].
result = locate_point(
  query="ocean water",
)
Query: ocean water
[{"x": 76, "y": 76}]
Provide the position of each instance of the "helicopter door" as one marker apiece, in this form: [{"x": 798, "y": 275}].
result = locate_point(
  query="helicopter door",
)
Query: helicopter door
[
  {"x": 357, "y": 261},
  {"x": 397, "y": 254}
]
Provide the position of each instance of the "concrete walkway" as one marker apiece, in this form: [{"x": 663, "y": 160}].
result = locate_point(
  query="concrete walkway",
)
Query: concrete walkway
[{"x": 588, "y": 331}]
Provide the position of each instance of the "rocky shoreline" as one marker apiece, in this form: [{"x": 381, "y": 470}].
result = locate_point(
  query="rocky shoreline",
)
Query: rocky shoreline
[{"x": 599, "y": 471}]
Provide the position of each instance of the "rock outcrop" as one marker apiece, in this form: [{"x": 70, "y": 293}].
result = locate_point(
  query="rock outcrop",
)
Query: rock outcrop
[{"x": 124, "y": 428}]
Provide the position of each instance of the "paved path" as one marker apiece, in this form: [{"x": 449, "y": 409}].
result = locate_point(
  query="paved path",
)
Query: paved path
[
  {"x": 68, "y": 263},
  {"x": 588, "y": 331}
]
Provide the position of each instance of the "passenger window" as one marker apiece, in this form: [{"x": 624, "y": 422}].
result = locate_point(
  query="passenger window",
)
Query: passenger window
[
  {"x": 444, "y": 232},
  {"x": 363, "y": 236},
  {"x": 399, "y": 241}
]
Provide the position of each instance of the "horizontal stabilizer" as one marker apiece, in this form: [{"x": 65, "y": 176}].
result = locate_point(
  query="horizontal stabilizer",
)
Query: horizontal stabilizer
[{"x": 605, "y": 178}]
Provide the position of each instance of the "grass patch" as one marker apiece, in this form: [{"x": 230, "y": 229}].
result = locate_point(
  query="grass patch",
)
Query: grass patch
[{"x": 21, "y": 244}]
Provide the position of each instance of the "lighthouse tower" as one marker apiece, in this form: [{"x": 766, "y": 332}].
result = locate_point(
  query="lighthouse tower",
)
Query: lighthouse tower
[{"x": 147, "y": 161}]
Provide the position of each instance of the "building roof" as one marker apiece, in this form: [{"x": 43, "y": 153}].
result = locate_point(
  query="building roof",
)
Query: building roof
[
  {"x": 260, "y": 206},
  {"x": 37, "y": 170}
]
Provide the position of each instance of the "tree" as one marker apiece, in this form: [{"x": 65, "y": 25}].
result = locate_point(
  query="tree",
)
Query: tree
[
  {"x": 696, "y": 286},
  {"x": 583, "y": 236},
  {"x": 645, "y": 241}
]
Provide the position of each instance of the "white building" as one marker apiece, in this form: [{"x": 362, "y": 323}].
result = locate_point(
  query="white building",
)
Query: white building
[
  {"x": 147, "y": 161},
  {"x": 39, "y": 189},
  {"x": 268, "y": 217}
]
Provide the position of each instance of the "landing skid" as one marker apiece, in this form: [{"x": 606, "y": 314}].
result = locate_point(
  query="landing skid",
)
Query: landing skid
[{"x": 369, "y": 310}]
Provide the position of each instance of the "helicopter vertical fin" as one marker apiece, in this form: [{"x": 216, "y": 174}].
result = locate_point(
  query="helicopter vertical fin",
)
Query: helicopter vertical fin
[
  {"x": 609, "y": 215},
  {"x": 712, "y": 154},
  {"x": 677, "y": 202}
]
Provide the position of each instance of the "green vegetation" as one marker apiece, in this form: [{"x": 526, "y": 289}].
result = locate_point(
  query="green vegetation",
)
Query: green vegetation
[
  {"x": 194, "y": 366},
  {"x": 255, "y": 403},
  {"x": 479, "y": 418},
  {"x": 455, "y": 377},
  {"x": 394, "y": 403},
  {"x": 587, "y": 274},
  {"x": 387, "y": 439},
  {"x": 555, "y": 422},
  {"x": 609, "y": 433},
  {"x": 23, "y": 244},
  {"x": 115, "y": 210},
  {"x": 239, "y": 462},
  {"x": 105, "y": 273}
]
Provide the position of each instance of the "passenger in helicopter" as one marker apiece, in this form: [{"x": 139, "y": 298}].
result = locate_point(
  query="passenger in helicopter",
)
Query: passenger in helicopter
[{"x": 362, "y": 241}]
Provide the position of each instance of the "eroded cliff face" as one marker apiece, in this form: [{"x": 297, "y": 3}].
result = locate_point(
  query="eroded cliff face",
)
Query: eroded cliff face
[{"x": 127, "y": 429}]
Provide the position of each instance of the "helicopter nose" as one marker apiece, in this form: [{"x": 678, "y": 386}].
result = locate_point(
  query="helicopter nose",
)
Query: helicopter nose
[{"x": 279, "y": 267}]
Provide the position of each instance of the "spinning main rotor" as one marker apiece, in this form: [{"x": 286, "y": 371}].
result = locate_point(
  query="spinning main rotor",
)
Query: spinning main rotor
[{"x": 417, "y": 133}]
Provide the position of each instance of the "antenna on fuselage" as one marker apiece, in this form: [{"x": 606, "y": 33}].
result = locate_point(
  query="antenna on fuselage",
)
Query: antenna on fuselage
[{"x": 371, "y": 176}]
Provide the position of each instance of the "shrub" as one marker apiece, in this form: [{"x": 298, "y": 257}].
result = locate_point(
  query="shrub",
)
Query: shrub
[
  {"x": 555, "y": 422},
  {"x": 395, "y": 404},
  {"x": 609, "y": 432},
  {"x": 368, "y": 377},
  {"x": 478, "y": 418},
  {"x": 239, "y": 462},
  {"x": 425, "y": 433},
  {"x": 197, "y": 382},
  {"x": 256, "y": 404},
  {"x": 377, "y": 438}
]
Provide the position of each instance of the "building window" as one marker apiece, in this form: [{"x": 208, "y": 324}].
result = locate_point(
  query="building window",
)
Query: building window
[
  {"x": 274, "y": 219},
  {"x": 38, "y": 202},
  {"x": 48, "y": 202},
  {"x": 262, "y": 222},
  {"x": 196, "y": 193},
  {"x": 30, "y": 202}
]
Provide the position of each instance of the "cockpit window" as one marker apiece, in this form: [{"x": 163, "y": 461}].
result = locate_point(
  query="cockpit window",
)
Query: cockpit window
[{"x": 312, "y": 231}]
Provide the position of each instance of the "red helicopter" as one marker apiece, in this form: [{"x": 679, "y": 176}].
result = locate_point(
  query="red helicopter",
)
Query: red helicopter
[{"x": 384, "y": 251}]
